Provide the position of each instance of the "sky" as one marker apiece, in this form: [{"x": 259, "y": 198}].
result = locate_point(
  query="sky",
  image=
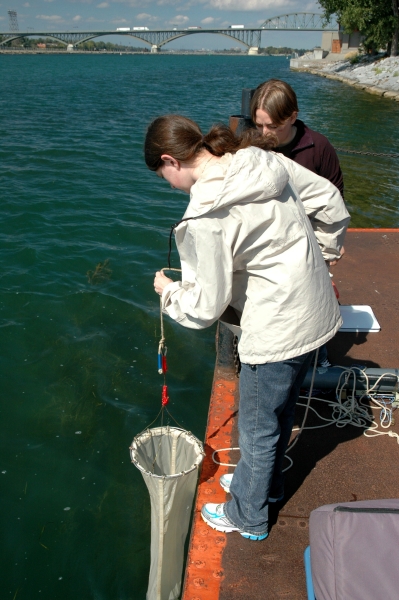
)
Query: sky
[{"x": 108, "y": 15}]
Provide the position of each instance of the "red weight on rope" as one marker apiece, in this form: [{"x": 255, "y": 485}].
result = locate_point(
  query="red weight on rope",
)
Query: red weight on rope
[
  {"x": 165, "y": 397},
  {"x": 336, "y": 292},
  {"x": 164, "y": 364}
]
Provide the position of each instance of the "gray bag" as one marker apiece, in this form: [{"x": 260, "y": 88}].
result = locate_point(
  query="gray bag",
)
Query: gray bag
[{"x": 353, "y": 550}]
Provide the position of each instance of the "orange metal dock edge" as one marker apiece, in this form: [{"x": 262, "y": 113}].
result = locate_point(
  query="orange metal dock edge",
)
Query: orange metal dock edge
[{"x": 204, "y": 572}]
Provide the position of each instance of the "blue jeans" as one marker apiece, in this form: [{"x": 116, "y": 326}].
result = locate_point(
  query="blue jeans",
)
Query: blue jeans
[
  {"x": 322, "y": 356},
  {"x": 268, "y": 395}
]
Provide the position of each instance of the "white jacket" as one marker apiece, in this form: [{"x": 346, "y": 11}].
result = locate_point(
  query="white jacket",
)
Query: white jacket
[{"x": 249, "y": 244}]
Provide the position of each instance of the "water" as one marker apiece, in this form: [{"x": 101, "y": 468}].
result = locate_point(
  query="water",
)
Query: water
[{"x": 84, "y": 226}]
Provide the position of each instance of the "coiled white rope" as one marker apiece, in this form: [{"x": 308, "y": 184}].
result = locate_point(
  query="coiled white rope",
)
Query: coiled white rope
[{"x": 352, "y": 411}]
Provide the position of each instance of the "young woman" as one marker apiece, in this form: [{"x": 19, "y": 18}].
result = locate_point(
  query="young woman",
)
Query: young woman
[
  {"x": 246, "y": 241},
  {"x": 274, "y": 109}
]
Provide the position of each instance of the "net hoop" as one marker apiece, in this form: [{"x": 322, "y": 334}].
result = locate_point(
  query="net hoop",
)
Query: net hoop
[{"x": 176, "y": 432}]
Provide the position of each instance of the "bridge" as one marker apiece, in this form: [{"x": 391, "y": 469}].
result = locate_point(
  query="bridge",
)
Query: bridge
[{"x": 249, "y": 37}]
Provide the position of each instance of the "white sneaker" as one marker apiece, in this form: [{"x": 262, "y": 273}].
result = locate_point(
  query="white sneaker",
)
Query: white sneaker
[
  {"x": 225, "y": 482},
  {"x": 213, "y": 515}
]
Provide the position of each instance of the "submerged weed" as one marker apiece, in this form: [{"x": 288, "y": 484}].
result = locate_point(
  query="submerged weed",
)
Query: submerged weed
[{"x": 101, "y": 273}]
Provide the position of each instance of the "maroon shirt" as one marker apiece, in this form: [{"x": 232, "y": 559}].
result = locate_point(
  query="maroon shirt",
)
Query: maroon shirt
[{"x": 313, "y": 151}]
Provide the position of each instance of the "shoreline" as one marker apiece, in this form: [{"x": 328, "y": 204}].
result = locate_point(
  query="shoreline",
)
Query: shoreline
[
  {"x": 379, "y": 76},
  {"x": 146, "y": 53}
]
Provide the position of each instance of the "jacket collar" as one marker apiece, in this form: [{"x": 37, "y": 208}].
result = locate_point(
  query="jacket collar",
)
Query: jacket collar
[
  {"x": 250, "y": 175},
  {"x": 306, "y": 139}
]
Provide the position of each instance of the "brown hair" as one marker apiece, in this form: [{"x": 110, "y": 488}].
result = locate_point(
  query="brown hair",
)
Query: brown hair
[
  {"x": 182, "y": 138},
  {"x": 277, "y": 98}
]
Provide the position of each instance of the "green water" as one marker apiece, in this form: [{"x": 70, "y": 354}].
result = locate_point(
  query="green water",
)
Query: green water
[{"x": 83, "y": 227}]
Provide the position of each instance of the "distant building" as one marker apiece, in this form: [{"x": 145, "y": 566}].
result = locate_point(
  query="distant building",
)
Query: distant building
[{"x": 338, "y": 42}]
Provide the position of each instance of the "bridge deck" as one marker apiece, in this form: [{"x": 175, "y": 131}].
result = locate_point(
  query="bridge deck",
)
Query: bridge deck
[
  {"x": 330, "y": 465},
  {"x": 249, "y": 36}
]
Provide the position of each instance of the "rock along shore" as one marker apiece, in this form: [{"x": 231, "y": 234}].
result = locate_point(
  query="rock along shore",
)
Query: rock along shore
[{"x": 375, "y": 75}]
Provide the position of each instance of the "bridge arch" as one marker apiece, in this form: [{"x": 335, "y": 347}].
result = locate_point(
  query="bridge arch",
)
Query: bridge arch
[
  {"x": 300, "y": 20},
  {"x": 223, "y": 32},
  {"x": 67, "y": 37}
]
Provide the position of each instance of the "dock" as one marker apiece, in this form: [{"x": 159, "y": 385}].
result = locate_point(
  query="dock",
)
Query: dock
[{"x": 332, "y": 464}]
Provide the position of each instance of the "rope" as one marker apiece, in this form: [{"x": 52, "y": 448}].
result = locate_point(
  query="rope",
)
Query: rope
[
  {"x": 353, "y": 411},
  {"x": 162, "y": 368},
  {"x": 366, "y": 153},
  {"x": 306, "y": 411},
  {"x": 162, "y": 349},
  {"x": 220, "y": 463},
  {"x": 172, "y": 229}
]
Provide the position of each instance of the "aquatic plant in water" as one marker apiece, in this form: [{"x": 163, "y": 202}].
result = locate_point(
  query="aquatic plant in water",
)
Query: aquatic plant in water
[{"x": 101, "y": 273}]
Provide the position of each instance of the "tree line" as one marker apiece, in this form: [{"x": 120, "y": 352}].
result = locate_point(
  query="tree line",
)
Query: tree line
[
  {"x": 32, "y": 43},
  {"x": 281, "y": 50}
]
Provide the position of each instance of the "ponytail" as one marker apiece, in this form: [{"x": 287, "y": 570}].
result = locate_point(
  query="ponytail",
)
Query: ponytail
[{"x": 181, "y": 138}]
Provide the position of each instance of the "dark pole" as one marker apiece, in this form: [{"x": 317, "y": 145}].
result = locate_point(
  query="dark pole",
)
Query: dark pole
[{"x": 239, "y": 123}]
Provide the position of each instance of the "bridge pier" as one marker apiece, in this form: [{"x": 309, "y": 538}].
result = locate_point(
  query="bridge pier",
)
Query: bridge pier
[
  {"x": 253, "y": 51},
  {"x": 155, "y": 49}
]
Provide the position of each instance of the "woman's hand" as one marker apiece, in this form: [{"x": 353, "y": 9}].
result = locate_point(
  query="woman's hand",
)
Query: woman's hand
[
  {"x": 160, "y": 282},
  {"x": 334, "y": 262}
]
